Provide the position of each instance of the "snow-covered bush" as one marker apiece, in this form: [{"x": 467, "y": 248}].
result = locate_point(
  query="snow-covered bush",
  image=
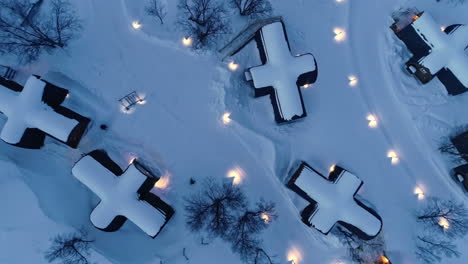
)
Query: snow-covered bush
[{"x": 27, "y": 31}]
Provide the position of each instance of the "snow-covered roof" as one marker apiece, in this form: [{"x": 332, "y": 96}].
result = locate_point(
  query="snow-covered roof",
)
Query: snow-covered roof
[
  {"x": 447, "y": 50},
  {"x": 118, "y": 196},
  {"x": 26, "y": 110},
  {"x": 281, "y": 71},
  {"x": 335, "y": 201}
]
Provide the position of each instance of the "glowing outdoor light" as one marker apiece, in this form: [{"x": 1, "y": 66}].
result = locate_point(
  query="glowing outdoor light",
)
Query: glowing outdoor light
[
  {"x": 68, "y": 95},
  {"x": 307, "y": 85},
  {"x": 419, "y": 192},
  {"x": 353, "y": 81},
  {"x": 384, "y": 260},
  {"x": 340, "y": 1},
  {"x": 340, "y": 34},
  {"x": 236, "y": 174},
  {"x": 332, "y": 168},
  {"x": 163, "y": 182},
  {"x": 372, "y": 121},
  {"x": 442, "y": 28},
  {"x": 187, "y": 41},
  {"x": 265, "y": 217},
  {"x": 226, "y": 118},
  {"x": 136, "y": 24},
  {"x": 294, "y": 256},
  {"x": 444, "y": 223},
  {"x": 233, "y": 66},
  {"x": 415, "y": 17},
  {"x": 393, "y": 156}
]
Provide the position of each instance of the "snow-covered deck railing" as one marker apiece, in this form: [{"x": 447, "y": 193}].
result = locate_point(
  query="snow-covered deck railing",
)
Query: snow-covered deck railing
[
  {"x": 437, "y": 52},
  {"x": 125, "y": 196},
  {"x": 282, "y": 74},
  {"x": 245, "y": 36},
  {"x": 333, "y": 201},
  {"x": 7, "y": 72},
  {"x": 35, "y": 111}
]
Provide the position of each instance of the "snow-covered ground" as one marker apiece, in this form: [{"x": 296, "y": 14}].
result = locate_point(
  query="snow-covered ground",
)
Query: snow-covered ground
[{"x": 179, "y": 129}]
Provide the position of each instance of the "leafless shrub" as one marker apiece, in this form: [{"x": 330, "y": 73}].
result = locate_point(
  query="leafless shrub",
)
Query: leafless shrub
[
  {"x": 26, "y": 32},
  {"x": 203, "y": 20},
  {"x": 439, "y": 213},
  {"x": 157, "y": 9},
  {"x": 70, "y": 248},
  {"x": 252, "y": 8}
]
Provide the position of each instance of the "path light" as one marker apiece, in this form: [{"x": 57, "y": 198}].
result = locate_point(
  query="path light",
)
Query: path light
[
  {"x": 236, "y": 174},
  {"x": 372, "y": 121},
  {"x": 294, "y": 256},
  {"x": 353, "y": 81},
  {"x": 340, "y": 34},
  {"x": 233, "y": 66},
  {"x": 332, "y": 168},
  {"x": 393, "y": 156},
  {"x": 136, "y": 24},
  {"x": 187, "y": 41},
  {"x": 384, "y": 260},
  {"x": 226, "y": 118},
  {"x": 419, "y": 192},
  {"x": 265, "y": 217},
  {"x": 163, "y": 182},
  {"x": 444, "y": 223}
]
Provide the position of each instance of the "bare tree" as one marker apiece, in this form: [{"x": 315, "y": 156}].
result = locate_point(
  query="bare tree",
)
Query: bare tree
[
  {"x": 431, "y": 249},
  {"x": 214, "y": 209},
  {"x": 244, "y": 234},
  {"x": 26, "y": 32},
  {"x": 252, "y": 8},
  {"x": 204, "y": 20},
  {"x": 70, "y": 248},
  {"x": 449, "y": 148},
  {"x": 447, "y": 217},
  {"x": 157, "y": 9},
  {"x": 361, "y": 251}
]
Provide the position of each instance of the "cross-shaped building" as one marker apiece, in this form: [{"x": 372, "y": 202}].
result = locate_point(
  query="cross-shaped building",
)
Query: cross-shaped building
[
  {"x": 123, "y": 194},
  {"x": 281, "y": 74},
  {"x": 35, "y": 110},
  {"x": 332, "y": 200},
  {"x": 437, "y": 51}
]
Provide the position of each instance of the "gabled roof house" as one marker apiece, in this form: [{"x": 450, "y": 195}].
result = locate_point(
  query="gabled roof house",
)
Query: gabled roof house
[
  {"x": 36, "y": 110},
  {"x": 123, "y": 194},
  {"x": 437, "y": 51},
  {"x": 281, "y": 74},
  {"x": 332, "y": 200}
]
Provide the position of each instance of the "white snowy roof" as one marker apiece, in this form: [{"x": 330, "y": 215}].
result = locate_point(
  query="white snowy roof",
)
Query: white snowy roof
[
  {"x": 118, "y": 196},
  {"x": 448, "y": 50},
  {"x": 281, "y": 71},
  {"x": 335, "y": 202},
  {"x": 26, "y": 110}
]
